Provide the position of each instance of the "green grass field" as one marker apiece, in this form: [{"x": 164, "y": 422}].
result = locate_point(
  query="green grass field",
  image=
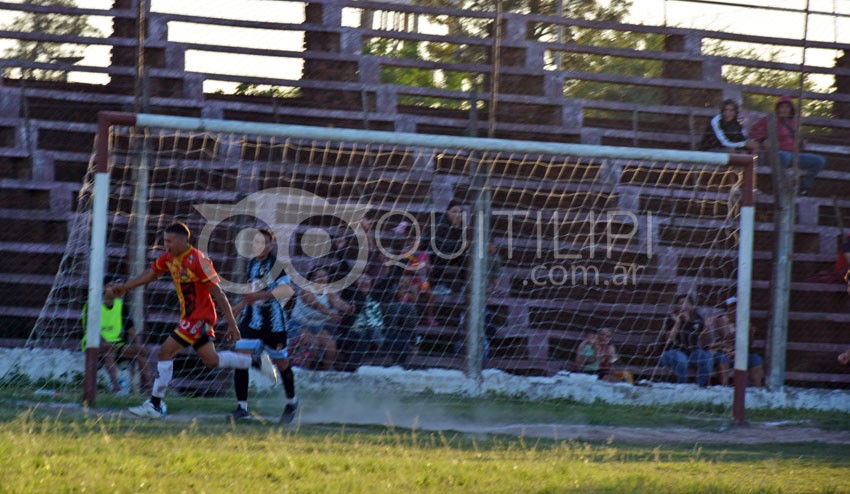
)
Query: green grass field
[{"x": 56, "y": 449}]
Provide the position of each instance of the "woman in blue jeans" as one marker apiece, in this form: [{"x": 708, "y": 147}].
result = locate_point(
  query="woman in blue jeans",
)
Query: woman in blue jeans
[
  {"x": 810, "y": 164},
  {"x": 686, "y": 344}
]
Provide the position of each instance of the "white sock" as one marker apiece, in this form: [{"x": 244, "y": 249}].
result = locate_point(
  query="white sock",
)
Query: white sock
[
  {"x": 243, "y": 404},
  {"x": 292, "y": 401},
  {"x": 233, "y": 360},
  {"x": 164, "y": 368}
]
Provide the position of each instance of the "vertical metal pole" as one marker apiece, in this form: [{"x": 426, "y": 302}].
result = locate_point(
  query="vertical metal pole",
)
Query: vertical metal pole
[
  {"x": 141, "y": 86},
  {"x": 479, "y": 258},
  {"x": 781, "y": 279},
  {"x": 97, "y": 258},
  {"x": 559, "y": 55},
  {"x": 477, "y": 314},
  {"x": 795, "y": 159},
  {"x": 494, "y": 71},
  {"x": 141, "y": 179},
  {"x": 745, "y": 272},
  {"x": 100, "y": 196}
]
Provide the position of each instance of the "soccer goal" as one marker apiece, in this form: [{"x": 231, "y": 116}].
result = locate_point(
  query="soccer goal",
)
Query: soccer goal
[{"x": 490, "y": 257}]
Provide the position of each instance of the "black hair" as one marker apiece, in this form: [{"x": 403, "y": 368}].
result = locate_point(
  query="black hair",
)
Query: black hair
[
  {"x": 684, "y": 296},
  {"x": 453, "y": 203},
  {"x": 729, "y": 102},
  {"x": 270, "y": 236},
  {"x": 179, "y": 228}
]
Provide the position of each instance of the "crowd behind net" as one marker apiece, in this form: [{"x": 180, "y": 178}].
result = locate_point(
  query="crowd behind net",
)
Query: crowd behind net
[{"x": 574, "y": 244}]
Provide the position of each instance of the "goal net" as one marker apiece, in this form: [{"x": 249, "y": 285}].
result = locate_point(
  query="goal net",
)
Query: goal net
[{"x": 489, "y": 257}]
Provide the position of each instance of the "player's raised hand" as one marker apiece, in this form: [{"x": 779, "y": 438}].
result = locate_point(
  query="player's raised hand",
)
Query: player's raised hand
[{"x": 115, "y": 290}]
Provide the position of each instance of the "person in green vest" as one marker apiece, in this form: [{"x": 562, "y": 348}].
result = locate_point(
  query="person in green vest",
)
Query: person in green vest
[{"x": 116, "y": 342}]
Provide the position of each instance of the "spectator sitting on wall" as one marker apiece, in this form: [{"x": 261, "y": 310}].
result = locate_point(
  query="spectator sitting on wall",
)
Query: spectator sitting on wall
[
  {"x": 687, "y": 343},
  {"x": 448, "y": 259},
  {"x": 724, "y": 328},
  {"x": 401, "y": 316},
  {"x": 360, "y": 331},
  {"x": 308, "y": 328},
  {"x": 597, "y": 355}
]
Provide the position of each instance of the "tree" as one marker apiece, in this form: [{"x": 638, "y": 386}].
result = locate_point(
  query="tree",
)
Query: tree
[
  {"x": 773, "y": 78},
  {"x": 48, "y": 51},
  {"x": 247, "y": 89},
  {"x": 613, "y": 10}
]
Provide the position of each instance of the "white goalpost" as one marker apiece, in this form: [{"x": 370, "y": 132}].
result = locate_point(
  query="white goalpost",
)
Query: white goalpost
[{"x": 556, "y": 240}]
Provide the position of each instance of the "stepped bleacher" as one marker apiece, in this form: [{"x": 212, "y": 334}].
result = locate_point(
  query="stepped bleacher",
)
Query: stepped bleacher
[{"x": 47, "y": 132}]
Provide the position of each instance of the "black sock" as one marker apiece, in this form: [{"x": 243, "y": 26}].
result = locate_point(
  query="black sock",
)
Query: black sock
[
  {"x": 240, "y": 382},
  {"x": 155, "y": 401},
  {"x": 288, "y": 379}
]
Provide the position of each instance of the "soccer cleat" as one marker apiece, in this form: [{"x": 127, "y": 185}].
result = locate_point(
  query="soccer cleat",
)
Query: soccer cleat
[
  {"x": 288, "y": 414},
  {"x": 147, "y": 411},
  {"x": 263, "y": 363},
  {"x": 238, "y": 414}
]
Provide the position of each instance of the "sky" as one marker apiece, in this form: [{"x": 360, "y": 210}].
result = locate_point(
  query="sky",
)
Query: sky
[{"x": 684, "y": 13}]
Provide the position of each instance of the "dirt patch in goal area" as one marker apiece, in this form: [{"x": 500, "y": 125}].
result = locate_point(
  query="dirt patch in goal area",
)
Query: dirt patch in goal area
[{"x": 759, "y": 433}]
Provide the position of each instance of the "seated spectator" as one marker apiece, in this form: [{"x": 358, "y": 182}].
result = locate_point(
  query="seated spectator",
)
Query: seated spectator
[
  {"x": 116, "y": 343},
  {"x": 311, "y": 344},
  {"x": 342, "y": 256},
  {"x": 416, "y": 263},
  {"x": 687, "y": 343},
  {"x": 596, "y": 354},
  {"x": 724, "y": 132},
  {"x": 448, "y": 256},
  {"x": 401, "y": 317},
  {"x": 839, "y": 269},
  {"x": 724, "y": 328},
  {"x": 376, "y": 262},
  {"x": 786, "y": 127},
  {"x": 842, "y": 263},
  {"x": 360, "y": 331}
]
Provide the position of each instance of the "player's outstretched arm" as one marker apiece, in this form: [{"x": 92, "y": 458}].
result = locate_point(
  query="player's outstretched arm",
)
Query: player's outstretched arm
[
  {"x": 222, "y": 303},
  {"x": 144, "y": 278}
]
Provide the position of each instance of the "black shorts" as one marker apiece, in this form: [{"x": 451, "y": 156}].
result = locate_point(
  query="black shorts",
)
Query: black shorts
[{"x": 275, "y": 340}]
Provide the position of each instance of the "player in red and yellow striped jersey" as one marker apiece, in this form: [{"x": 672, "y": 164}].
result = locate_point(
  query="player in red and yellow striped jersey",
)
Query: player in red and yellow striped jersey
[{"x": 197, "y": 285}]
